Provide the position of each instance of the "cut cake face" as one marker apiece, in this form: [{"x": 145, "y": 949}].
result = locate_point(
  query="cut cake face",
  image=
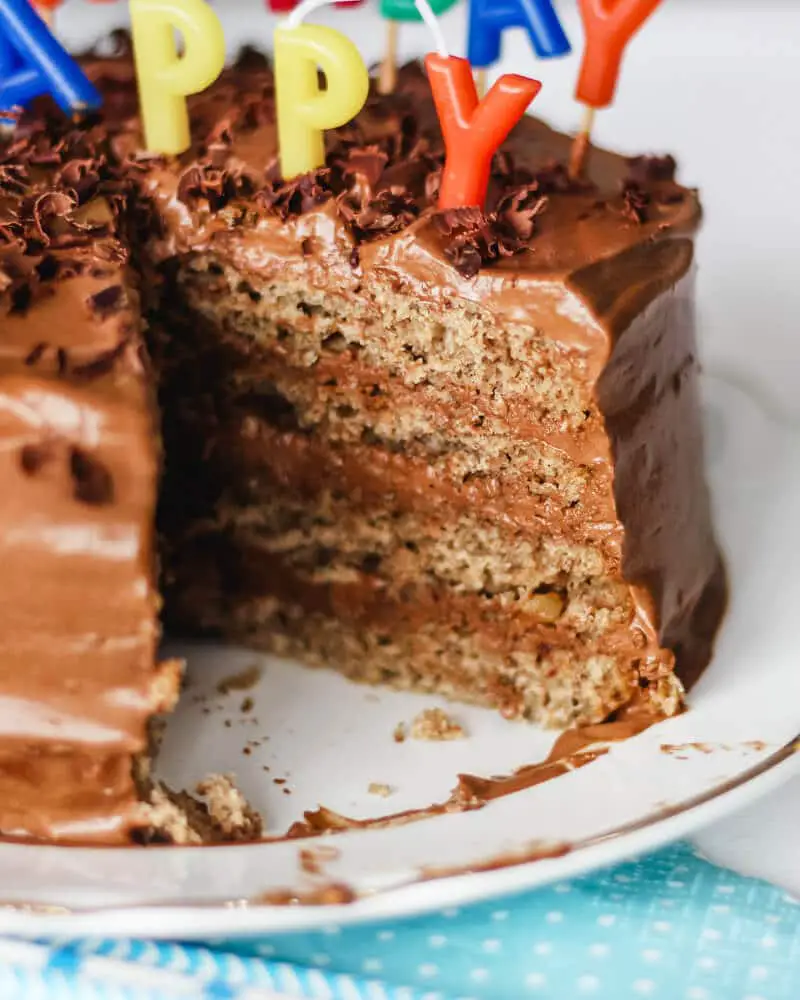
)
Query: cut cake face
[{"x": 455, "y": 452}]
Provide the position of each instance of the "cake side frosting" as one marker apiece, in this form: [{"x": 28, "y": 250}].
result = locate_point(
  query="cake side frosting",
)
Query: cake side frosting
[{"x": 79, "y": 467}]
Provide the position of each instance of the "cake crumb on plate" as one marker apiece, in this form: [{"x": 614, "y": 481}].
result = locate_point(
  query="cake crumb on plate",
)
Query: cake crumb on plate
[
  {"x": 229, "y": 811},
  {"x": 433, "y": 724},
  {"x": 242, "y": 681},
  {"x": 378, "y": 788}
]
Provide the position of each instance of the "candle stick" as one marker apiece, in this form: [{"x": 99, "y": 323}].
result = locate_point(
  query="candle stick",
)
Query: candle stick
[
  {"x": 608, "y": 25},
  {"x": 395, "y": 11},
  {"x": 304, "y": 110},
  {"x": 581, "y": 142},
  {"x": 165, "y": 78},
  {"x": 387, "y": 75},
  {"x": 473, "y": 129},
  {"x": 32, "y": 63},
  {"x": 488, "y": 19}
]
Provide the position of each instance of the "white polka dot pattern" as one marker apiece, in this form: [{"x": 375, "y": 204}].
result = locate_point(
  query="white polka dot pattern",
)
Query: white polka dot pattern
[{"x": 667, "y": 927}]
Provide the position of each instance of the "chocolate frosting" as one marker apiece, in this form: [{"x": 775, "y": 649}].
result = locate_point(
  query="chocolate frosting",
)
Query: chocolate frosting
[{"x": 601, "y": 266}]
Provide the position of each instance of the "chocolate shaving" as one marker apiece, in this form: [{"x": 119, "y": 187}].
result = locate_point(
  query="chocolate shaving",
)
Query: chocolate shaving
[
  {"x": 634, "y": 202},
  {"x": 92, "y": 482},
  {"x": 288, "y": 199},
  {"x": 48, "y": 216},
  {"x": 365, "y": 165},
  {"x": 388, "y": 213},
  {"x": 475, "y": 238},
  {"x": 215, "y": 186},
  {"x": 32, "y": 457},
  {"x": 21, "y": 298},
  {"x": 47, "y": 268},
  {"x": 432, "y": 184},
  {"x": 555, "y": 178},
  {"x": 107, "y": 302},
  {"x": 219, "y": 153},
  {"x": 14, "y": 178},
  {"x": 10, "y": 236},
  {"x": 651, "y": 169},
  {"x": 81, "y": 177},
  {"x": 55, "y": 219},
  {"x": 62, "y": 360},
  {"x": 36, "y": 353},
  {"x": 518, "y": 208}
]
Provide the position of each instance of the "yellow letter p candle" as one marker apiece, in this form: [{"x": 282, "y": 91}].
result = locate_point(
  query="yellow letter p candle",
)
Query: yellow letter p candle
[
  {"x": 304, "y": 111},
  {"x": 165, "y": 77}
]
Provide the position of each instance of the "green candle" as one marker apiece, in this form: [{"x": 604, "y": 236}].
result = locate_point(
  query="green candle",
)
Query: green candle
[{"x": 405, "y": 10}]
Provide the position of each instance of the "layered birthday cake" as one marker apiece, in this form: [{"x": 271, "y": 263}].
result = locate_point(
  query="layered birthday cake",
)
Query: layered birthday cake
[{"x": 449, "y": 451}]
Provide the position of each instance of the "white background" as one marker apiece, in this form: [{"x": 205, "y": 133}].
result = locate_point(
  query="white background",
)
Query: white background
[{"x": 716, "y": 82}]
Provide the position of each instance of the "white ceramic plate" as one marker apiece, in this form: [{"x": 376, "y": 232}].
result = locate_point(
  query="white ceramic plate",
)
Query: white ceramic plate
[
  {"x": 330, "y": 739},
  {"x": 738, "y": 64}
]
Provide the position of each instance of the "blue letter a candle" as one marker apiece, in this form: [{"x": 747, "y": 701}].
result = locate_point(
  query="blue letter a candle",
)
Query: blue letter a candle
[
  {"x": 488, "y": 19},
  {"x": 32, "y": 63}
]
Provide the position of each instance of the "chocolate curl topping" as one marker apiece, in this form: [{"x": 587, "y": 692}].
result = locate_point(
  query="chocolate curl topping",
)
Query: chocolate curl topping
[
  {"x": 205, "y": 185},
  {"x": 518, "y": 208},
  {"x": 365, "y": 166},
  {"x": 634, "y": 202},
  {"x": 296, "y": 196},
  {"x": 388, "y": 213},
  {"x": 50, "y": 217},
  {"x": 81, "y": 176},
  {"x": 14, "y": 179},
  {"x": 649, "y": 169},
  {"x": 107, "y": 301},
  {"x": 475, "y": 238}
]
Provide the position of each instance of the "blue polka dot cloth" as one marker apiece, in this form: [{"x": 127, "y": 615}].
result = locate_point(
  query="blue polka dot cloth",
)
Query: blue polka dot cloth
[{"x": 667, "y": 927}]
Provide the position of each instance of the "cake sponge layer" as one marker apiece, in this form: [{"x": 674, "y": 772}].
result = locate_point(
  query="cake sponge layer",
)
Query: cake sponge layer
[{"x": 533, "y": 620}]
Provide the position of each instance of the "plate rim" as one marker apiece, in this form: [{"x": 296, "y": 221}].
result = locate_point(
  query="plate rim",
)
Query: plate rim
[
  {"x": 416, "y": 897},
  {"x": 415, "y": 892}
]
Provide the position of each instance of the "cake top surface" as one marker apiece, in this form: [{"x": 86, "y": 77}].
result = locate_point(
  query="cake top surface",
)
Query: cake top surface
[{"x": 372, "y": 205}]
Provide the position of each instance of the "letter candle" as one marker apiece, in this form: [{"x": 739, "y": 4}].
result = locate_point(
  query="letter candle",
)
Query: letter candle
[
  {"x": 304, "y": 111},
  {"x": 473, "y": 130},
  {"x": 164, "y": 77},
  {"x": 608, "y": 25},
  {"x": 32, "y": 63},
  {"x": 488, "y": 19}
]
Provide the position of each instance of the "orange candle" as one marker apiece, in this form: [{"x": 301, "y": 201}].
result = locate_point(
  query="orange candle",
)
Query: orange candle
[
  {"x": 473, "y": 130},
  {"x": 608, "y": 25}
]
